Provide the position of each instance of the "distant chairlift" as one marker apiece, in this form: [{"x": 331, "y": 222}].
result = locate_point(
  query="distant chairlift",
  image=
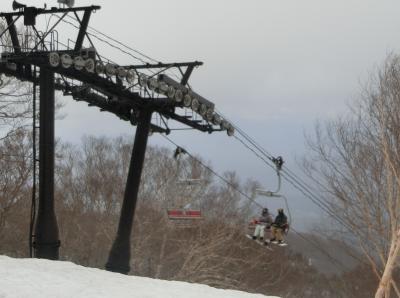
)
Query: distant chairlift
[{"x": 186, "y": 213}]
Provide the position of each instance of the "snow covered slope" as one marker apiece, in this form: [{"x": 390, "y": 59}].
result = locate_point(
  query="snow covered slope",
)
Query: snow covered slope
[{"x": 36, "y": 278}]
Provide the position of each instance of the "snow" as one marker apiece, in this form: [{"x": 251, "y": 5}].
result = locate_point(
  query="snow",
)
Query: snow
[{"x": 36, "y": 278}]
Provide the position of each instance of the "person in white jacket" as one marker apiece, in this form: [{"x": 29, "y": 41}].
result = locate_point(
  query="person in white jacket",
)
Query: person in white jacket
[{"x": 263, "y": 222}]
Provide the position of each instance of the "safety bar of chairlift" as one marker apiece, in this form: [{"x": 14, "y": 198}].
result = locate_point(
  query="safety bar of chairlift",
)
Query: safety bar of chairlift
[
  {"x": 190, "y": 181},
  {"x": 272, "y": 194}
]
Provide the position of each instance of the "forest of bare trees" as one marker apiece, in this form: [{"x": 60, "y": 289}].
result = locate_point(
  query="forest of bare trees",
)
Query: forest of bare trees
[{"x": 90, "y": 179}]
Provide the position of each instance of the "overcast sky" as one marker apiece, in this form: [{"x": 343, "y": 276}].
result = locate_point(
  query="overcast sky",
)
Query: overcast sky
[{"x": 272, "y": 67}]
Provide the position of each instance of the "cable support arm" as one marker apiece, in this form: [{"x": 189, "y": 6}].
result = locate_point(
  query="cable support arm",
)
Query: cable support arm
[
  {"x": 121, "y": 108},
  {"x": 126, "y": 98},
  {"x": 40, "y": 11},
  {"x": 194, "y": 124}
]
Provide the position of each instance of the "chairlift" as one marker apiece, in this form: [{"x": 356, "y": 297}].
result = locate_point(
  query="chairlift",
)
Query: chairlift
[
  {"x": 277, "y": 196},
  {"x": 187, "y": 213},
  {"x": 274, "y": 194}
]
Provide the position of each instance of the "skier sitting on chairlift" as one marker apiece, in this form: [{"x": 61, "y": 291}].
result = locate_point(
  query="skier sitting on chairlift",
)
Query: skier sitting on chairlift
[
  {"x": 279, "y": 226},
  {"x": 264, "y": 222}
]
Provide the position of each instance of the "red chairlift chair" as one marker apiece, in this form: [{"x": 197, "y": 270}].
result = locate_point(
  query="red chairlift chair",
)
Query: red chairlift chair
[
  {"x": 185, "y": 214},
  {"x": 182, "y": 214}
]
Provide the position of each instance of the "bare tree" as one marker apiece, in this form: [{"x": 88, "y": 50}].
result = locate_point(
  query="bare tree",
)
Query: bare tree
[
  {"x": 15, "y": 105},
  {"x": 15, "y": 184},
  {"x": 357, "y": 162},
  {"x": 15, "y": 95},
  {"x": 90, "y": 179}
]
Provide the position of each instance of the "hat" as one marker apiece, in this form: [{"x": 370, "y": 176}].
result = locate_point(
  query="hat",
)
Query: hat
[{"x": 265, "y": 210}]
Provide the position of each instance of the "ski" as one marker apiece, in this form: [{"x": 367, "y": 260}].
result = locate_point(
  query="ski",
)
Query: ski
[
  {"x": 259, "y": 242},
  {"x": 280, "y": 244}
]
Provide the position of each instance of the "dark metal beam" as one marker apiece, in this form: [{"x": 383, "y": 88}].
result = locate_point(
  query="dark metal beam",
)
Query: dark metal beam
[
  {"x": 82, "y": 30},
  {"x": 121, "y": 108},
  {"x": 47, "y": 242},
  {"x": 119, "y": 258},
  {"x": 187, "y": 74},
  {"x": 13, "y": 33},
  {"x": 8, "y": 26}
]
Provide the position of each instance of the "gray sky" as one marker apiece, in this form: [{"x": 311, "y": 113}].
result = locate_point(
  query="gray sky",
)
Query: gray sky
[{"x": 272, "y": 67}]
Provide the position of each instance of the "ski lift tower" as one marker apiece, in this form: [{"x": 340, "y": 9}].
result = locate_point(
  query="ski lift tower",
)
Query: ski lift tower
[{"x": 142, "y": 94}]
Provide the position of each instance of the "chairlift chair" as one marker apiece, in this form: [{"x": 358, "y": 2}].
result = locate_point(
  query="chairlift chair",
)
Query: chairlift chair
[
  {"x": 190, "y": 182},
  {"x": 185, "y": 214},
  {"x": 270, "y": 194},
  {"x": 275, "y": 194}
]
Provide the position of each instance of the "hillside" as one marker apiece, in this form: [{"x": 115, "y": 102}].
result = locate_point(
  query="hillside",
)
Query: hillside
[{"x": 327, "y": 256}]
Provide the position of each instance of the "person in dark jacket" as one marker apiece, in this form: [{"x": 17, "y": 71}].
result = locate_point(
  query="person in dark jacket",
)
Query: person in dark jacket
[
  {"x": 279, "y": 226},
  {"x": 263, "y": 222}
]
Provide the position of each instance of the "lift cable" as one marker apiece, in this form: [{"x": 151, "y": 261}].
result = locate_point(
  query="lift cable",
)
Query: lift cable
[
  {"x": 331, "y": 258},
  {"x": 214, "y": 172},
  {"x": 106, "y": 42},
  {"x": 120, "y": 43},
  {"x": 99, "y": 38},
  {"x": 321, "y": 204},
  {"x": 118, "y": 47},
  {"x": 305, "y": 190},
  {"x": 153, "y": 60},
  {"x": 289, "y": 176}
]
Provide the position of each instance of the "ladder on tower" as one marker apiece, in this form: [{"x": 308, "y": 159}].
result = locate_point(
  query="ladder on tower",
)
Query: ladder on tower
[{"x": 35, "y": 164}]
